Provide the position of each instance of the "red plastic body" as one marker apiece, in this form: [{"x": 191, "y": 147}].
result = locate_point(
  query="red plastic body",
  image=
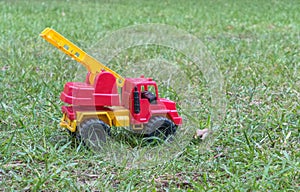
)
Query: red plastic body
[
  {"x": 159, "y": 106},
  {"x": 104, "y": 92}
]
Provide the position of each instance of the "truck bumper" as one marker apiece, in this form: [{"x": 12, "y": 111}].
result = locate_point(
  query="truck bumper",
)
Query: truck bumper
[{"x": 65, "y": 122}]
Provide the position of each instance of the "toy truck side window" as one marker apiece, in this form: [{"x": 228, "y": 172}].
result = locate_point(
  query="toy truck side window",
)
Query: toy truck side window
[{"x": 148, "y": 92}]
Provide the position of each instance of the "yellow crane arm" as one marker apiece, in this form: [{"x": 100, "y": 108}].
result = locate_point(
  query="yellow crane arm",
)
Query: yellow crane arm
[{"x": 66, "y": 46}]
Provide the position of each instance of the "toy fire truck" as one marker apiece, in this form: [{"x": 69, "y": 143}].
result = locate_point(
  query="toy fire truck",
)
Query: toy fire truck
[{"x": 106, "y": 100}]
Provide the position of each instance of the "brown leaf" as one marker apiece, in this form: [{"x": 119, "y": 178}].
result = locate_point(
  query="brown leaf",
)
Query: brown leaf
[
  {"x": 5, "y": 68},
  {"x": 202, "y": 134},
  {"x": 219, "y": 155}
]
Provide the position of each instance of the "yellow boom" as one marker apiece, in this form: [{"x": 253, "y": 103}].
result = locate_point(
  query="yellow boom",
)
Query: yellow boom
[{"x": 66, "y": 46}]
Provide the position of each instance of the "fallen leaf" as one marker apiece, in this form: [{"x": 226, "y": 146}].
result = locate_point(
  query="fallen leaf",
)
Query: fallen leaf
[
  {"x": 219, "y": 155},
  {"x": 202, "y": 134},
  {"x": 5, "y": 68}
]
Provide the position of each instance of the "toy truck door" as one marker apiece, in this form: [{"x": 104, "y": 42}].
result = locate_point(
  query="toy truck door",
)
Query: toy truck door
[{"x": 142, "y": 99}]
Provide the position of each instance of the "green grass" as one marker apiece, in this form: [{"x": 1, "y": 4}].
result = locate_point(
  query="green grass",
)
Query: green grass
[{"x": 256, "y": 45}]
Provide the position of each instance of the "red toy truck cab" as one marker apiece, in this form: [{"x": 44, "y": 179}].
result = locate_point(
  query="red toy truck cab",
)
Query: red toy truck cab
[{"x": 144, "y": 101}]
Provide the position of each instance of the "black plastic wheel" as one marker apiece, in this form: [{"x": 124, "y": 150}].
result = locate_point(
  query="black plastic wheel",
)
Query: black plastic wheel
[
  {"x": 93, "y": 132},
  {"x": 160, "y": 127}
]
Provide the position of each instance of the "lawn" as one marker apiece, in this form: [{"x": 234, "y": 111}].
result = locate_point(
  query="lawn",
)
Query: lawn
[{"x": 254, "y": 45}]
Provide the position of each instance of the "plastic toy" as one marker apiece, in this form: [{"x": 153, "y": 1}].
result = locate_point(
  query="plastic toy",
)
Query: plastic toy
[{"x": 94, "y": 106}]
